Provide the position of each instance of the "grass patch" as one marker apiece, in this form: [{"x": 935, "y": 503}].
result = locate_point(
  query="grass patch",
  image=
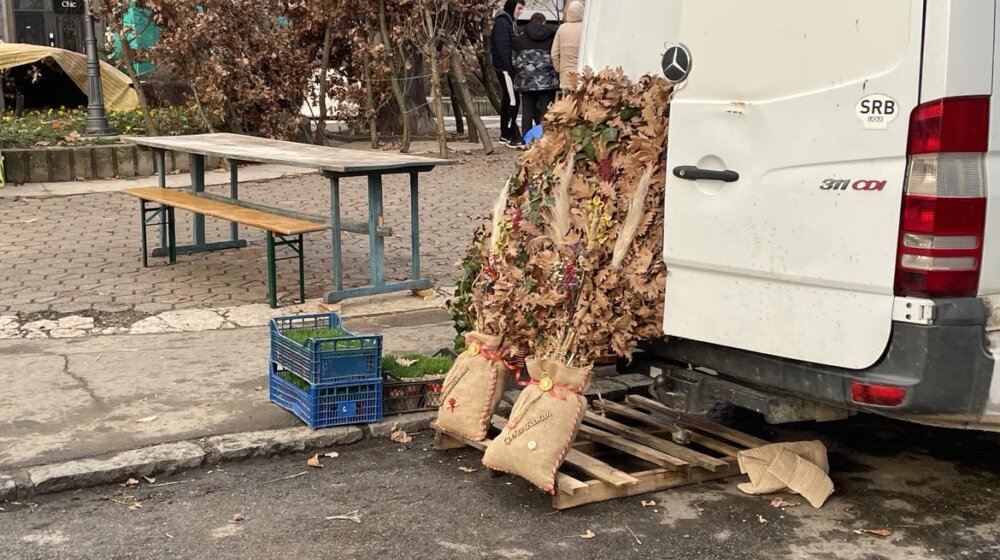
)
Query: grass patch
[
  {"x": 305, "y": 386},
  {"x": 302, "y": 335},
  {"x": 422, "y": 367},
  {"x": 294, "y": 379}
]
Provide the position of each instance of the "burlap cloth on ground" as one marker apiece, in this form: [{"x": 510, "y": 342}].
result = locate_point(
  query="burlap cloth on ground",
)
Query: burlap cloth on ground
[
  {"x": 473, "y": 388},
  {"x": 800, "y": 467},
  {"x": 543, "y": 424}
]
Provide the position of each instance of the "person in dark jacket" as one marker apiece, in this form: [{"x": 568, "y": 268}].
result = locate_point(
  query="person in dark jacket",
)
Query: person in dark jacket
[
  {"x": 504, "y": 32},
  {"x": 534, "y": 74}
]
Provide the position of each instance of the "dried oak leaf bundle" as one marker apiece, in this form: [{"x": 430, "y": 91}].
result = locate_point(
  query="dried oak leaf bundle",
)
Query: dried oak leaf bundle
[{"x": 571, "y": 268}]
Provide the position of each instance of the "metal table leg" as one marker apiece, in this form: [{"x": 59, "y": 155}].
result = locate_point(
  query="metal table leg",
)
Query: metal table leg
[
  {"x": 414, "y": 228},
  {"x": 198, "y": 243},
  {"x": 376, "y": 244},
  {"x": 198, "y": 186},
  {"x": 272, "y": 274},
  {"x": 234, "y": 193},
  {"x": 338, "y": 269},
  {"x": 160, "y": 156}
]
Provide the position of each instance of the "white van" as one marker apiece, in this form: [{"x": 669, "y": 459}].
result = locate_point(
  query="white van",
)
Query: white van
[{"x": 834, "y": 178}]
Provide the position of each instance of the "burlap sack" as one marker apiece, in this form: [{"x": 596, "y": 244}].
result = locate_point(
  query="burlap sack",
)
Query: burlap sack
[
  {"x": 800, "y": 467},
  {"x": 542, "y": 425},
  {"x": 473, "y": 388}
]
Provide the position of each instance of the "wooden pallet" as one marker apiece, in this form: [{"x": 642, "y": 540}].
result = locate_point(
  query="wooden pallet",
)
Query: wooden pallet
[{"x": 625, "y": 450}]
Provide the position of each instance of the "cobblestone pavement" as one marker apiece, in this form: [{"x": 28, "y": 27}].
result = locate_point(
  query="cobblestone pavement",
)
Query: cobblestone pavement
[{"x": 74, "y": 254}]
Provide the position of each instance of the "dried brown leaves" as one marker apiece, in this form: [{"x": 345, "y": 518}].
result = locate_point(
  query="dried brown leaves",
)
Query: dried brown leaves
[{"x": 552, "y": 290}]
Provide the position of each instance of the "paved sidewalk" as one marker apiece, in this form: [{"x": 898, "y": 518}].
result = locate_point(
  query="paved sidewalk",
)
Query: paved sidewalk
[
  {"x": 73, "y": 398},
  {"x": 66, "y": 255}
]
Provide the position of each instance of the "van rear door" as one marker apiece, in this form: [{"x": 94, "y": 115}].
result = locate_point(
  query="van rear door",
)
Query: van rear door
[{"x": 807, "y": 104}]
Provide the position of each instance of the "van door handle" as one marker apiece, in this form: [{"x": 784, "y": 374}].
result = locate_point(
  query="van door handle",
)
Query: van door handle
[{"x": 692, "y": 173}]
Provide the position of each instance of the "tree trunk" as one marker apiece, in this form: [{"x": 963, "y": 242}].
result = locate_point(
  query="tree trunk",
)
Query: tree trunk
[
  {"x": 201, "y": 109},
  {"x": 490, "y": 83},
  {"x": 128, "y": 59},
  {"x": 465, "y": 98},
  {"x": 438, "y": 103},
  {"x": 397, "y": 87},
  {"x": 370, "y": 100},
  {"x": 421, "y": 113},
  {"x": 456, "y": 106},
  {"x": 320, "y": 137}
]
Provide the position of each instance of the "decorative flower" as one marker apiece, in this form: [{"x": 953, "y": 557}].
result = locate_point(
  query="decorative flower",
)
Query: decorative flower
[{"x": 605, "y": 170}]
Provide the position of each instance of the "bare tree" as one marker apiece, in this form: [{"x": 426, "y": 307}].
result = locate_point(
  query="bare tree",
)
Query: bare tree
[{"x": 431, "y": 26}]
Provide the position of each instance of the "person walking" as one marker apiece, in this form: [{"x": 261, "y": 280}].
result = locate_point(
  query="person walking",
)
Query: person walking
[
  {"x": 566, "y": 45},
  {"x": 534, "y": 75},
  {"x": 504, "y": 33}
]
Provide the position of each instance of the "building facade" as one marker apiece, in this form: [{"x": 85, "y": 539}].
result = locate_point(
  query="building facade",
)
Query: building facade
[{"x": 53, "y": 23}]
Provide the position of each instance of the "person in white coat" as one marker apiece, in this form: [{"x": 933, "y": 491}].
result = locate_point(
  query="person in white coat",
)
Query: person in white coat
[{"x": 566, "y": 45}]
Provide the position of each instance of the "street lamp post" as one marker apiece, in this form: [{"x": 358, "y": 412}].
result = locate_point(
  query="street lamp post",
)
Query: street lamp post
[{"x": 97, "y": 120}]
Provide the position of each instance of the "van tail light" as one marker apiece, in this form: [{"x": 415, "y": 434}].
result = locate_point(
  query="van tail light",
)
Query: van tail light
[
  {"x": 944, "y": 200},
  {"x": 879, "y": 395}
]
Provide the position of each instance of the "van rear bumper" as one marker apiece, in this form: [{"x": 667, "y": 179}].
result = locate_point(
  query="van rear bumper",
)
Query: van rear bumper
[{"x": 945, "y": 367}]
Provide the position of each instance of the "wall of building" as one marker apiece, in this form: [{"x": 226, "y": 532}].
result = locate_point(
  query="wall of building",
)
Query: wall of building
[
  {"x": 7, "y": 20},
  {"x": 57, "y": 23}
]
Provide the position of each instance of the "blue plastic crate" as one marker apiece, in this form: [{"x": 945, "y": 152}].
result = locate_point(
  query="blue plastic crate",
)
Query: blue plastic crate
[
  {"x": 328, "y": 404},
  {"x": 330, "y": 360}
]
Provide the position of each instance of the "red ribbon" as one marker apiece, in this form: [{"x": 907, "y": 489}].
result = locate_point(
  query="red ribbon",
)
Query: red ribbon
[
  {"x": 553, "y": 389},
  {"x": 499, "y": 358}
]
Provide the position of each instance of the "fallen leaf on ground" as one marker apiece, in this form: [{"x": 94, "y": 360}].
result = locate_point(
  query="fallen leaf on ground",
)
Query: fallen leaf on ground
[
  {"x": 404, "y": 362},
  {"x": 648, "y": 503},
  {"x": 237, "y": 517},
  {"x": 876, "y": 532},
  {"x": 314, "y": 462},
  {"x": 135, "y": 506},
  {"x": 761, "y": 520},
  {"x": 146, "y": 419},
  {"x": 781, "y": 503},
  {"x": 258, "y": 388},
  {"x": 466, "y": 469},
  {"x": 351, "y": 516},
  {"x": 131, "y": 482},
  {"x": 400, "y": 436},
  {"x": 588, "y": 535},
  {"x": 149, "y": 479},
  {"x": 332, "y": 454}
]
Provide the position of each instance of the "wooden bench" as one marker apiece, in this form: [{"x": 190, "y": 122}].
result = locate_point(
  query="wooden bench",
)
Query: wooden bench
[{"x": 288, "y": 230}]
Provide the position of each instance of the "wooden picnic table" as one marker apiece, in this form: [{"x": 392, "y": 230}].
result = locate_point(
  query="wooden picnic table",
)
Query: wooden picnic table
[{"x": 334, "y": 164}]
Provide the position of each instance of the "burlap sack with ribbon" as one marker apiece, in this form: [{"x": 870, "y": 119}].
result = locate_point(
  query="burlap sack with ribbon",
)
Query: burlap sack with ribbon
[
  {"x": 473, "y": 388},
  {"x": 542, "y": 425}
]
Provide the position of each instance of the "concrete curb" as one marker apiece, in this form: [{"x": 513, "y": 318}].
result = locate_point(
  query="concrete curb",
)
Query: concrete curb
[
  {"x": 8, "y": 488},
  {"x": 172, "y": 457}
]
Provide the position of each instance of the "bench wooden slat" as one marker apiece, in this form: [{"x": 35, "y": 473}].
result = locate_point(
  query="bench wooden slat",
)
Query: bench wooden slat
[
  {"x": 259, "y": 219},
  {"x": 351, "y": 226}
]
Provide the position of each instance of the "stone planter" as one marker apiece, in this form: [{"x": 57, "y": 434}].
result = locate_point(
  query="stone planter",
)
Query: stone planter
[{"x": 48, "y": 165}]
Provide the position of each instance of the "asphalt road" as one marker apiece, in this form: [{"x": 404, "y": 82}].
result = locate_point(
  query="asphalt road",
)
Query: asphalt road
[{"x": 938, "y": 491}]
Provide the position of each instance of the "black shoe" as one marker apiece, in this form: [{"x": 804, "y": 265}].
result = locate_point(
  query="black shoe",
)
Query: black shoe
[{"x": 505, "y": 141}]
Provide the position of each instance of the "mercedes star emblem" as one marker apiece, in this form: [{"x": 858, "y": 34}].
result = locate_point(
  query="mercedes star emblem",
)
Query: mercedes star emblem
[{"x": 676, "y": 63}]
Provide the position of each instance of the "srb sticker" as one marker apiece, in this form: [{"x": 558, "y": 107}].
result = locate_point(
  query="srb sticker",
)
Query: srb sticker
[{"x": 876, "y": 111}]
